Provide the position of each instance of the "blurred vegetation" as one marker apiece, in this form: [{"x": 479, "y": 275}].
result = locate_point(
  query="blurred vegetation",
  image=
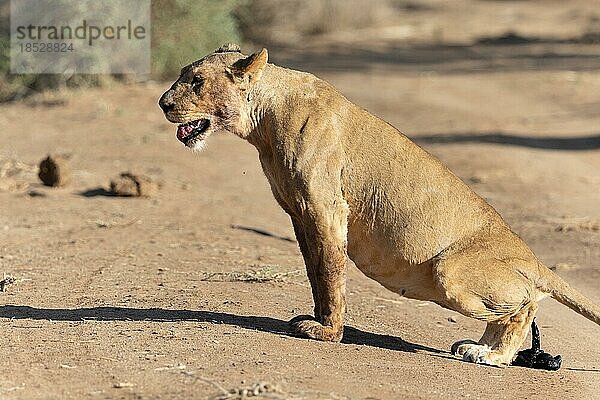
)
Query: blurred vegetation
[
  {"x": 288, "y": 21},
  {"x": 182, "y": 31}
]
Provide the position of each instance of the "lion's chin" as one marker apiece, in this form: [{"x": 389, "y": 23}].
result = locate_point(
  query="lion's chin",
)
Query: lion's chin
[{"x": 197, "y": 145}]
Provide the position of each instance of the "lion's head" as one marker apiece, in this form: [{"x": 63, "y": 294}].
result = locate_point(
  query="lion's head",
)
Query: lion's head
[{"x": 211, "y": 94}]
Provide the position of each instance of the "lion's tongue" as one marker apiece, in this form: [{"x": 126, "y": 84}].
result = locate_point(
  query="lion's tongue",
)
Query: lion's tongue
[{"x": 184, "y": 131}]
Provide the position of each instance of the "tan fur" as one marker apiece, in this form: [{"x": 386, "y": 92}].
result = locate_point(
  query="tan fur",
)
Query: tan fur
[{"x": 355, "y": 186}]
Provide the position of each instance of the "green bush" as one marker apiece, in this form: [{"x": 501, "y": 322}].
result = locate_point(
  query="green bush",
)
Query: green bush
[{"x": 185, "y": 30}]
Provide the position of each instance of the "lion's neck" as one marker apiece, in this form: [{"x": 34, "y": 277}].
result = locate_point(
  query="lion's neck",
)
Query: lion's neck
[{"x": 268, "y": 100}]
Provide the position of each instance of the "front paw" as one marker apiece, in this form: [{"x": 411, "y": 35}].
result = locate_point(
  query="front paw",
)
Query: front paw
[{"x": 305, "y": 326}]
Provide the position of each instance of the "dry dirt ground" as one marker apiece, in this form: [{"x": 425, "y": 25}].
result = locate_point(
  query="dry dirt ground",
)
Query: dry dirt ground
[{"x": 183, "y": 295}]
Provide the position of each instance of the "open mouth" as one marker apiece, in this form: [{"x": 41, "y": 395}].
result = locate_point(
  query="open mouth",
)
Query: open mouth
[{"x": 191, "y": 130}]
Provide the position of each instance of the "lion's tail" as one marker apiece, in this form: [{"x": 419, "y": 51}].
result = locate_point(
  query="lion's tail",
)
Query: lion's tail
[{"x": 563, "y": 292}]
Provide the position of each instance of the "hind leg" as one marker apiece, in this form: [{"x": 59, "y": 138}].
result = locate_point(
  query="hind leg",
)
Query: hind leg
[
  {"x": 498, "y": 295},
  {"x": 500, "y": 341}
]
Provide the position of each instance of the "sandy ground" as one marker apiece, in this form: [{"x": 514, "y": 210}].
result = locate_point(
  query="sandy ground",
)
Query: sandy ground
[{"x": 177, "y": 296}]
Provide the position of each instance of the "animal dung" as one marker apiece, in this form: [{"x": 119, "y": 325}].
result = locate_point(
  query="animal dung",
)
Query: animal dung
[
  {"x": 132, "y": 185},
  {"x": 54, "y": 171}
]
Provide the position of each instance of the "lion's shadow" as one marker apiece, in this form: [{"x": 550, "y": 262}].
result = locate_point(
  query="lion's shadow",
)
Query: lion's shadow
[{"x": 265, "y": 324}]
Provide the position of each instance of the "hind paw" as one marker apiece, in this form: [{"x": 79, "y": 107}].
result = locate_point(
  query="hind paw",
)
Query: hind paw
[{"x": 474, "y": 352}]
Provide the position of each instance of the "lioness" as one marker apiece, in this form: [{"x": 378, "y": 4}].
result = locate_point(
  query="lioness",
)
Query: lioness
[{"x": 356, "y": 187}]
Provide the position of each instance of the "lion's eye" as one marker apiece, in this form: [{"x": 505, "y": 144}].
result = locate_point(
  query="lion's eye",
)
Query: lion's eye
[{"x": 197, "y": 83}]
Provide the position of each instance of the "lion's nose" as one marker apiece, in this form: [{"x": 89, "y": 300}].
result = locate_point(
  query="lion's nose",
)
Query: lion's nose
[{"x": 166, "y": 102}]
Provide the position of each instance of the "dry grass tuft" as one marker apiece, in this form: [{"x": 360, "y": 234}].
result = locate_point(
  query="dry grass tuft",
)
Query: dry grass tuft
[
  {"x": 262, "y": 275},
  {"x": 15, "y": 174},
  {"x": 12, "y": 167},
  {"x": 578, "y": 226},
  {"x": 257, "y": 390}
]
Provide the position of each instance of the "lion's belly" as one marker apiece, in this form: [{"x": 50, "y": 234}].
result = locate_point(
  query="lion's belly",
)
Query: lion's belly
[{"x": 383, "y": 264}]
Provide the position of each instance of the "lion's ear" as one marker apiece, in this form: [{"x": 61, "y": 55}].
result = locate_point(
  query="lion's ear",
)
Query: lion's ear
[{"x": 248, "y": 70}]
